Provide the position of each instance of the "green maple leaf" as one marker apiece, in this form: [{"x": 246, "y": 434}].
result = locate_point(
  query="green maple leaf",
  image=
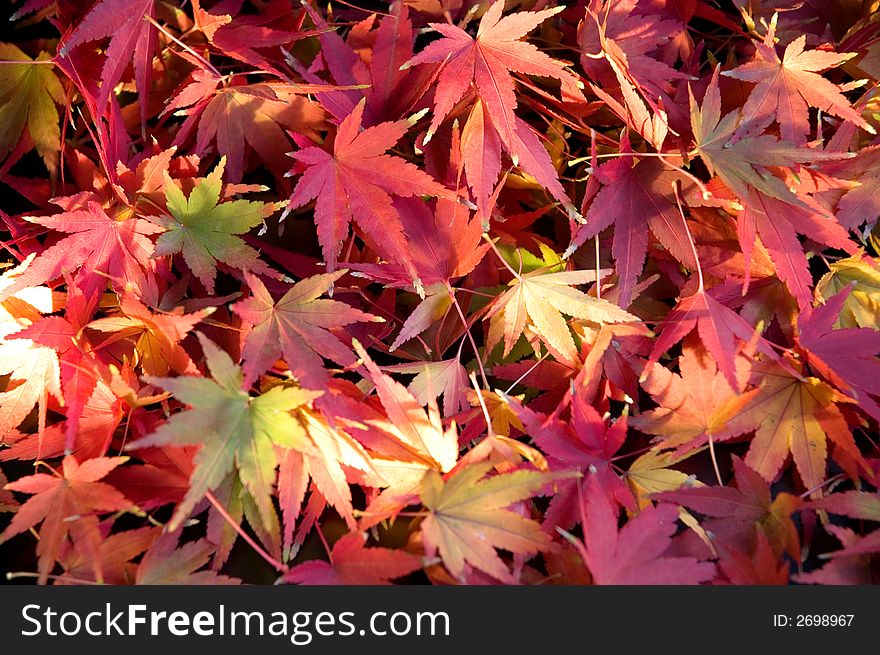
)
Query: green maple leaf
[
  {"x": 28, "y": 95},
  {"x": 743, "y": 164},
  {"x": 234, "y": 429},
  {"x": 205, "y": 230}
]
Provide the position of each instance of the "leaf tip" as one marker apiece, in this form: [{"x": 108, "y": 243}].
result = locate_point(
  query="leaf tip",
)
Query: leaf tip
[{"x": 415, "y": 118}]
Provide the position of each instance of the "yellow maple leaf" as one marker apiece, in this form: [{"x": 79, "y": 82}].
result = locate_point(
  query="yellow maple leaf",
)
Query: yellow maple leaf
[
  {"x": 468, "y": 517},
  {"x": 537, "y": 300},
  {"x": 862, "y": 306},
  {"x": 797, "y": 415}
]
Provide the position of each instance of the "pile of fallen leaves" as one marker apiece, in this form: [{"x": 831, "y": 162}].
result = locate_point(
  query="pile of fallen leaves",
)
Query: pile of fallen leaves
[{"x": 448, "y": 291}]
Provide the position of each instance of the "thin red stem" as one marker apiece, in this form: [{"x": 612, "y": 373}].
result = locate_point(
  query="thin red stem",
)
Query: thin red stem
[{"x": 278, "y": 566}]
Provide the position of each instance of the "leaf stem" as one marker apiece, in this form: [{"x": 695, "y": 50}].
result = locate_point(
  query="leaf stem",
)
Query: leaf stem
[
  {"x": 278, "y": 566},
  {"x": 689, "y": 235},
  {"x": 324, "y": 541},
  {"x": 195, "y": 54},
  {"x": 501, "y": 257},
  {"x": 31, "y": 62},
  {"x": 526, "y": 374},
  {"x": 489, "y": 429},
  {"x": 12, "y": 575},
  {"x": 824, "y": 483},
  {"x": 715, "y": 461},
  {"x": 470, "y": 337}
]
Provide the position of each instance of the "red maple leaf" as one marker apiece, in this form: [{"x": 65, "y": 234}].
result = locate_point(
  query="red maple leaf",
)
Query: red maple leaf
[
  {"x": 786, "y": 86},
  {"x": 630, "y": 39},
  {"x": 67, "y": 503},
  {"x": 846, "y": 357},
  {"x": 167, "y": 563},
  {"x": 584, "y": 442},
  {"x": 297, "y": 326},
  {"x": 101, "y": 246},
  {"x": 719, "y": 328},
  {"x": 635, "y": 198},
  {"x": 132, "y": 39},
  {"x": 736, "y": 511},
  {"x": 78, "y": 364},
  {"x": 634, "y": 554},
  {"x": 356, "y": 182},
  {"x": 486, "y": 61},
  {"x": 353, "y": 564},
  {"x": 446, "y": 244}
]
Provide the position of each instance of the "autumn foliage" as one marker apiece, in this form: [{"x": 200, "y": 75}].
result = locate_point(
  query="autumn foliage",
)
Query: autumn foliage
[{"x": 448, "y": 291}]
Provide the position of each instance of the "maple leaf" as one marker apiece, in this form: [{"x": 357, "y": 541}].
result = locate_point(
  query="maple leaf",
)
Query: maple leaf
[
  {"x": 537, "y": 300},
  {"x": 115, "y": 552},
  {"x": 762, "y": 567},
  {"x": 28, "y": 95},
  {"x": 862, "y": 305},
  {"x": 91, "y": 426},
  {"x": 255, "y": 116},
  {"x": 627, "y": 40},
  {"x": 7, "y": 500},
  {"x": 852, "y": 565},
  {"x": 634, "y": 198},
  {"x": 408, "y": 442},
  {"x": 156, "y": 335},
  {"x": 481, "y": 159},
  {"x": 846, "y": 357},
  {"x": 468, "y": 518},
  {"x": 422, "y": 434},
  {"x": 103, "y": 247},
  {"x": 652, "y": 473},
  {"x": 356, "y": 183},
  {"x": 654, "y": 127},
  {"x": 298, "y": 427},
  {"x": 855, "y": 504},
  {"x": 736, "y": 512},
  {"x": 445, "y": 244},
  {"x": 245, "y": 36},
  {"x": 235, "y": 431},
  {"x": 696, "y": 405},
  {"x": 166, "y": 563},
  {"x": 718, "y": 327},
  {"x": 66, "y": 504},
  {"x": 392, "y": 90},
  {"x": 486, "y": 61},
  {"x": 132, "y": 39},
  {"x": 859, "y": 204},
  {"x": 613, "y": 356},
  {"x": 429, "y": 311},
  {"x": 586, "y": 442},
  {"x": 352, "y": 564},
  {"x": 778, "y": 223},
  {"x": 633, "y": 555},
  {"x": 297, "y": 327},
  {"x": 786, "y": 86},
  {"x": 331, "y": 458},
  {"x": 33, "y": 369},
  {"x": 866, "y": 545},
  {"x": 78, "y": 366},
  {"x": 742, "y": 163},
  {"x": 432, "y": 379},
  {"x": 162, "y": 478},
  {"x": 797, "y": 415},
  {"x": 204, "y": 230}
]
